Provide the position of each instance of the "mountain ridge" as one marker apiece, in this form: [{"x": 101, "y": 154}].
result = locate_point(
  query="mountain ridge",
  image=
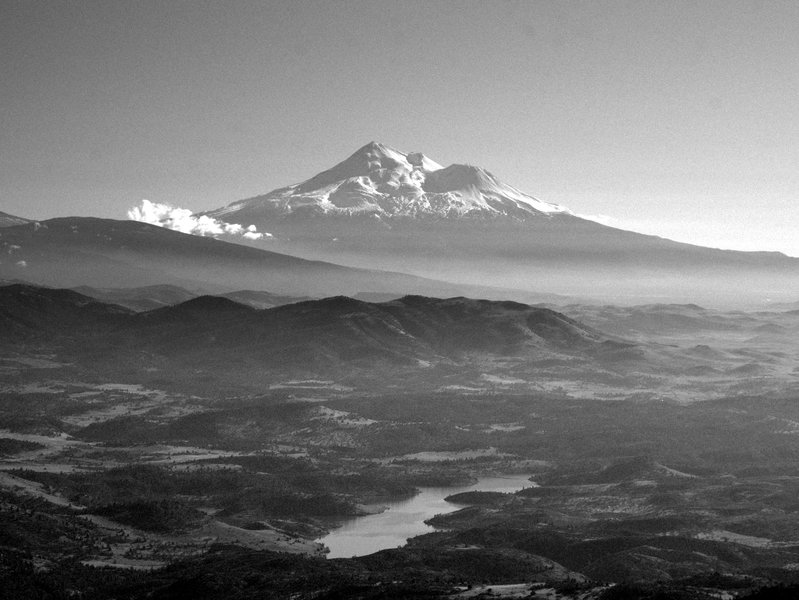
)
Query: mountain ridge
[{"x": 314, "y": 337}]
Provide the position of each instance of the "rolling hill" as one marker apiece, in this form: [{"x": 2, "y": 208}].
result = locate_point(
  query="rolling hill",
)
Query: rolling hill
[{"x": 332, "y": 336}]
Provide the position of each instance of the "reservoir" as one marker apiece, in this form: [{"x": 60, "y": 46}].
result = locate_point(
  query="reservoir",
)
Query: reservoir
[{"x": 405, "y": 518}]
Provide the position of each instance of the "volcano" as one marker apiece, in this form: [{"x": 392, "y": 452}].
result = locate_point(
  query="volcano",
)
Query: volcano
[{"x": 385, "y": 209}]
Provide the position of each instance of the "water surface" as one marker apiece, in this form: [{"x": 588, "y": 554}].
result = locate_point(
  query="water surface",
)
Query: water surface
[{"x": 405, "y": 518}]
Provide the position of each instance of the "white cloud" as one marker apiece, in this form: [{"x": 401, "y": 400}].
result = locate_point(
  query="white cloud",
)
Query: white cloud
[
  {"x": 22, "y": 264},
  {"x": 183, "y": 220}
]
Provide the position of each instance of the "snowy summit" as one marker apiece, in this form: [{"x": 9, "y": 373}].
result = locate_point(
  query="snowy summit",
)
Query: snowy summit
[{"x": 380, "y": 181}]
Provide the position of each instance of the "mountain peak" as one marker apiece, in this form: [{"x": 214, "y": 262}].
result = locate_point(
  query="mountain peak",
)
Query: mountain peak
[
  {"x": 372, "y": 146},
  {"x": 378, "y": 180},
  {"x": 371, "y": 151},
  {"x": 378, "y": 155}
]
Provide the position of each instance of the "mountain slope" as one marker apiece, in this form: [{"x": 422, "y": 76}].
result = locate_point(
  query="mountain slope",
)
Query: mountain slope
[
  {"x": 105, "y": 253},
  {"x": 381, "y": 208},
  {"x": 7, "y": 220}
]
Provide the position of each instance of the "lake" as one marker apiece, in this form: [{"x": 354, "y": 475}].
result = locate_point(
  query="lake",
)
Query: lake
[{"x": 405, "y": 518}]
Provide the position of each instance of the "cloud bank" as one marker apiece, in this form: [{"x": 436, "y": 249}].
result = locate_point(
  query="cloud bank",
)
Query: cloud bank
[{"x": 183, "y": 220}]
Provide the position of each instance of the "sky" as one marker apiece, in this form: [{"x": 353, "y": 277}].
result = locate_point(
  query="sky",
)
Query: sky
[{"x": 679, "y": 119}]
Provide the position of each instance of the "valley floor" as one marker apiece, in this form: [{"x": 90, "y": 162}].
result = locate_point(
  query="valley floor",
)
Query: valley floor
[
  {"x": 680, "y": 481},
  {"x": 155, "y": 484}
]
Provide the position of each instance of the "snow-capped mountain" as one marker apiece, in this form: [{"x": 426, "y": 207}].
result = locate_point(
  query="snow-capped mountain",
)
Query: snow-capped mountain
[
  {"x": 383, "y": 182},
  {"x": 385, "y": 209}
]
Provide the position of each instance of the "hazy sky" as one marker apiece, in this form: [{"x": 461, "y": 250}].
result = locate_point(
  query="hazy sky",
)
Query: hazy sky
[{"x": 674, "y": 118}]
